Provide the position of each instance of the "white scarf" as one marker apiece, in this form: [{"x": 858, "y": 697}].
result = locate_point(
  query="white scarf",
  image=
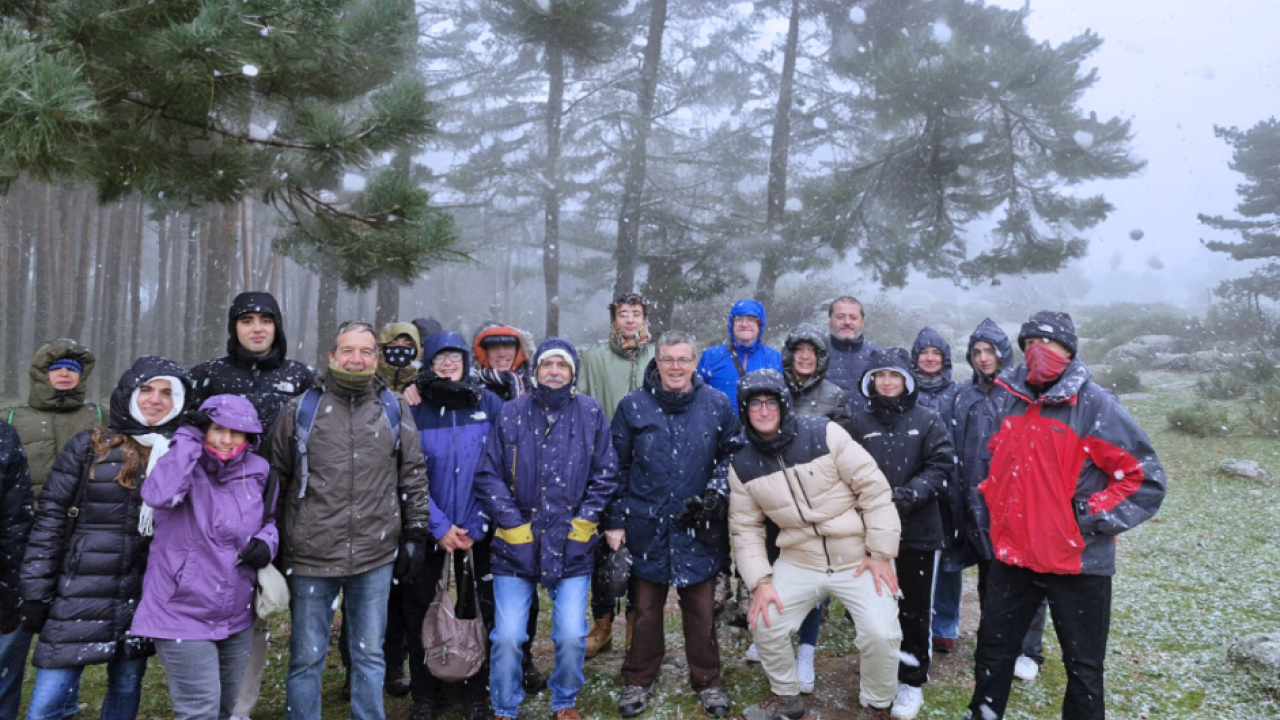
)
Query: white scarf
[{"x": 158, "y": 443}]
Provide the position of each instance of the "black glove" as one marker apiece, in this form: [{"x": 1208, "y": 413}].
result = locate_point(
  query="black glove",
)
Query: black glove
[
  {"x": 199, "y": 419},
  {"x": 34, "y": 613},
  {"x": 414, "y": 543},
  {"x": 256, "y": 555},
  {"x": 9, "y": 617},
  {"x": 706, "y": 516}
]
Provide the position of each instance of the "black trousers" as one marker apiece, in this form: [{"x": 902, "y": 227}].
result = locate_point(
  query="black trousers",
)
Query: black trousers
[
  {"x": 416, "y": 596},
  {"x": 915, "y": 613},
  {"x": 1081, "y": 609}
]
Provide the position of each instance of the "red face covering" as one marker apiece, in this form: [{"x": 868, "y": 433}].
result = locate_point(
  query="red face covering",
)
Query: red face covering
[
  {"x": 227, "y": 455},
  {"x": 1043, "y": 364}
]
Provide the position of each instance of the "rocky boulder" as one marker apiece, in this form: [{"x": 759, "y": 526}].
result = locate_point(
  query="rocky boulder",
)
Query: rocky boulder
[
  {"x": 1260, "y": 651},
  {"x": 1246, "y": 469},
  {"x": 1142, "y": 350}
]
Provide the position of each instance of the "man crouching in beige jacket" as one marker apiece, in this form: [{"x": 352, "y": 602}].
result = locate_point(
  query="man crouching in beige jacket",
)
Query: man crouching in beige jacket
[{"x": 838, "y": 535}]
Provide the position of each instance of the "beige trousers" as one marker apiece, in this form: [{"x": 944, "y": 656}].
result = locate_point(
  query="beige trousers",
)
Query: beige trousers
[
  {"x": 874, "y": 616},
  {"x": 251, "y": 683}
]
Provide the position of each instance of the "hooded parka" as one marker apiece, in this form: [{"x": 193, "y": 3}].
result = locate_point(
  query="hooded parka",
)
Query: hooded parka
[
  {"x": 506, "y": 384},
  {"x": 815, "y": 395},
  {"x": 207, "y": 510},
  {"x": 548, "y": 472},
  {"x": 1070, "y": 470},
  {"x": 975, "y": 417},
  {"x": 52, "y": 417},
  {"x": 453, "y": 421},
  {"x": 912, "y": 447},
  {"x": 717, "y": 366},
  {"x": 398, "y": 378},
  {"x": 269, "y": 381},
  {"x": 831, "y": 503},
  {"x": 361, "y": 492},
  {"x": 93, "y": 580},
  {"x": 15, "y": 516},
  {"x": 671, "y": 447},
  {"x": 608, "y": 372},
  {"x": 937, "y": 392}
]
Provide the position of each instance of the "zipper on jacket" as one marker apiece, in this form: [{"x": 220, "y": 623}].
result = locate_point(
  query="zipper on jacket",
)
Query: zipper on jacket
[{"x": 782, "y": 464}]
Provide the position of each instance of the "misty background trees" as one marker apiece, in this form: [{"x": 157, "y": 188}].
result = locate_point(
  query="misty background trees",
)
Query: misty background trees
[{"x": 521, "y": 159}]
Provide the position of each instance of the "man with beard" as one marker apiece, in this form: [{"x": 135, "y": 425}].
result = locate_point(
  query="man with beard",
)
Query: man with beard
[{"x": 608, "y": 373}]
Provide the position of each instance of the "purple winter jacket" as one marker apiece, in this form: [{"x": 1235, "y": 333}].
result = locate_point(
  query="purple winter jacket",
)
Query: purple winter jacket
[{"x": 206, "y": 511}]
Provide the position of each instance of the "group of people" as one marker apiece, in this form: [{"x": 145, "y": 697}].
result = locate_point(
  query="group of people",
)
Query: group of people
[{"x": 834, "y": 468}]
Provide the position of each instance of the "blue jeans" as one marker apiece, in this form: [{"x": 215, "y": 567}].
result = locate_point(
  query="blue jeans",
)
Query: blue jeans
[
  {"x": 55, "y": 686},
  {"x": 946, "y": 603},
  {"x": 568, "y": 632},
  {"x": 13, "y": 664},
  {"x": 312, "y": 603}
]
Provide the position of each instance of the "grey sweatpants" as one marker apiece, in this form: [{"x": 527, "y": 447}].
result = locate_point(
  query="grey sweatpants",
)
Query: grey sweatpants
[{"x": 204, "y": 676}]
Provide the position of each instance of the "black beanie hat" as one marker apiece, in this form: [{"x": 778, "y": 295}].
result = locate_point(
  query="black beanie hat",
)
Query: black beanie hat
[{"x": 1056, "y": 326}]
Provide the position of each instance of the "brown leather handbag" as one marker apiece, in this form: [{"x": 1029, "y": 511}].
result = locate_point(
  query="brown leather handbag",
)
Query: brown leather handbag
[{"x": 455, "y": 646}]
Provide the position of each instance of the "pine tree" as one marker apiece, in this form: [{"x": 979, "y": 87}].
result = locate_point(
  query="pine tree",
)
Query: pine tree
[
  {"x": 200, "y": 102},
  {"x": 1256, "y": 155}
]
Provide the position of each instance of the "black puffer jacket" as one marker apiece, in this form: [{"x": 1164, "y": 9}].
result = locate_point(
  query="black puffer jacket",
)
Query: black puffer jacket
[
  {"x": 15, "y": 516},
  {"x": 913, "y": 448},
  {"x": 93, "y": 580},
  {"x": 267, "y": 382},
  {"x": 815, "y": 395}
]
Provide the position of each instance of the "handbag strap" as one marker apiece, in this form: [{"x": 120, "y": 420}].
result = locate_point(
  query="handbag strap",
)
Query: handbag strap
[
  {"x": 446, "y": 576},
  {"x": 73, "y": 510}
]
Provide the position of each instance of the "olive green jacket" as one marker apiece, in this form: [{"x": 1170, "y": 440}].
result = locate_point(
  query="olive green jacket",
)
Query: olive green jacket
[
  {"x": 607, "y": 374},
  {"x": 51, "y": 417}
]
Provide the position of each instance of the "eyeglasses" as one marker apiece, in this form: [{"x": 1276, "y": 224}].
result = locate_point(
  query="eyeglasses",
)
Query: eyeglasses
[
  {"x": 758, "y": 405},
  {"x": 682, "y": 362},
  {"x": 453, "y": 356}
]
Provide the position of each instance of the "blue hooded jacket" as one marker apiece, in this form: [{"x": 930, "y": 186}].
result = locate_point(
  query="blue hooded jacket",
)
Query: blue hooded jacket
[
  {"x": 547, "y": 474},
  {"x": 975, "y": 417},
  {"x": 716, "y": 366},
  {"x": 935, "y": 393},
  {"x": 453, "y": 441}
]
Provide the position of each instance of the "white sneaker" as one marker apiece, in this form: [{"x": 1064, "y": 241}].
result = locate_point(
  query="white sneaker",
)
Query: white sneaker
[
  {"x": 908, "y": 702},
  {"x": 753, "y": 655},
  {"x": 804, "y": 668},
  {"x": 1025, "y": 669}
]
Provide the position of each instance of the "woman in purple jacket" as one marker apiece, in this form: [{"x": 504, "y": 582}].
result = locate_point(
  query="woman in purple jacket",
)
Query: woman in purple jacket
[{"x": 210, "y": 540}]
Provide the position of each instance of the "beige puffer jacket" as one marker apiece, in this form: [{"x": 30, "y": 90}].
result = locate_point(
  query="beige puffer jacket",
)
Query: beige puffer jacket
[{"x": 831, "y": 503}]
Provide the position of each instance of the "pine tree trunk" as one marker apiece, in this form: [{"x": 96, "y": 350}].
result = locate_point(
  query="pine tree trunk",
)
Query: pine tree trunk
[
  {"x": 388, "y": 307},
  {"x": 779, "y": 156},
  {"x": 135, "y": 239},
  {"x": 98, "y": 307},
  {"x": 15, "y": 290},
  {"x": 223, "y": 241},
  {"x": 551, "y": 193},
  {"x": 160, "y": 308},
  {"x": 113, "y": 292},
  {"x": 82, "y": 288},
  {"x": 302, "y": 313},
  {"x": 633, "y": 185},
  {"x": 44, "y": 250},
  {"x": 191, "y": 327},
  {"x": 326, "y": 316}
]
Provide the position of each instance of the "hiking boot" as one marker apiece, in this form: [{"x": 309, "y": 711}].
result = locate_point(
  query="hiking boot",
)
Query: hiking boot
[
  {"x": 944, "y": 645},
  {"x": 396, "y": 684},
  {"x": 601, "y": 636},
  {"x": 424, "y": 710},
  {"x": 875, "y": 713},
  {"x": 715, "y": 703},
  {"x": 1025, "y": 669},
  {"x": 531, "y": 680},
  {"x": 908, "y": 702},
  {"x": 634, "y": 700},
  {"x": 804, "y": 668},
  {"x": 776, "y": 707},
  {"x": 570, "y": 713}
]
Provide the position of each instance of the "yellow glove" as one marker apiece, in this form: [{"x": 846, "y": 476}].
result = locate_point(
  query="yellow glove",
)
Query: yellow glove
[
  {"x": 519, "y": 535},
  {"x": 582, "y": 530}
]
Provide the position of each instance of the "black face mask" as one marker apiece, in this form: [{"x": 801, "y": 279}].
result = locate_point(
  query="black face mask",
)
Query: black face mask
[{"x": 399, "y": 356}]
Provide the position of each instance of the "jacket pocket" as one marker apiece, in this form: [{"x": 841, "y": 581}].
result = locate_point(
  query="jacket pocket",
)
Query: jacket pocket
[
  {"x": 579, "y": 557},
  {"x": 184, "y": 582},
  {"x": 515, "y": 551}
]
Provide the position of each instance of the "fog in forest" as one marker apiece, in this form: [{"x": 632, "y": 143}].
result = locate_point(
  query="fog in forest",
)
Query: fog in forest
[{"x": 790, "y": 150}]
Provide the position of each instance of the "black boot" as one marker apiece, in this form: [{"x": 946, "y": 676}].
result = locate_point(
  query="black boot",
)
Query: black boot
[
  {"x": 532, "y": 680},
  {"x": 396, "y": 683}
]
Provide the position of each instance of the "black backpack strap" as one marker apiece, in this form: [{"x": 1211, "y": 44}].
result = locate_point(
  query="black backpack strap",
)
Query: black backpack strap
[{"x": 737, "y": 363}]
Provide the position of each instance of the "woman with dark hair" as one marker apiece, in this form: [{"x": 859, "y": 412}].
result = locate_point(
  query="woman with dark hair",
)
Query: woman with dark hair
[{"x": 82, "y": 575}]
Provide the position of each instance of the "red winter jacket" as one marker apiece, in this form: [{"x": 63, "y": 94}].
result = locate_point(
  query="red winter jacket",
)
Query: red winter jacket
[{"x": 1069, "y": 471}]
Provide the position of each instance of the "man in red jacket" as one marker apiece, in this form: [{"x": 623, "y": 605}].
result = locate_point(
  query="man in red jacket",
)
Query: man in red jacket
[{"x": 1070, "y": 470}]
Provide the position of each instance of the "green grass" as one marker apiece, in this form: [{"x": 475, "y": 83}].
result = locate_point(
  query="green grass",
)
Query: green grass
[{"x": 1190, "y": 582}]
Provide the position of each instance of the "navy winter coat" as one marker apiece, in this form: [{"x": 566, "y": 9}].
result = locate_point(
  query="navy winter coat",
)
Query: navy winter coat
[
  {"x": 671, "y": 447},
  {"x": 15, "y": 516},
  {"x": 975, "y": 416},
  {"x": 848, "y": 362},
  {"x": 453, "y": 432},
  {"x": 548, "y": 472},
  {"x": 913, "y": 448},
  {"x": 935, "y": 393},
  {"x": 716, "y": 366}
]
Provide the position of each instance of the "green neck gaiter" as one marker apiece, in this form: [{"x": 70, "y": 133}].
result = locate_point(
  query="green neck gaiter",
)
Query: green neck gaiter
[{"x": 353, "y": 382}]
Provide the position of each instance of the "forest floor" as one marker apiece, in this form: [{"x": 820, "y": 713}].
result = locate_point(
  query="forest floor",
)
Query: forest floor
[{"x": 1190, "y": 582}]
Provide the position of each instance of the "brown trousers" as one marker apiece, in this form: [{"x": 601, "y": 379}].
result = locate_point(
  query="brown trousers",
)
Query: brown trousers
[{"x": 648, "y": 646}]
